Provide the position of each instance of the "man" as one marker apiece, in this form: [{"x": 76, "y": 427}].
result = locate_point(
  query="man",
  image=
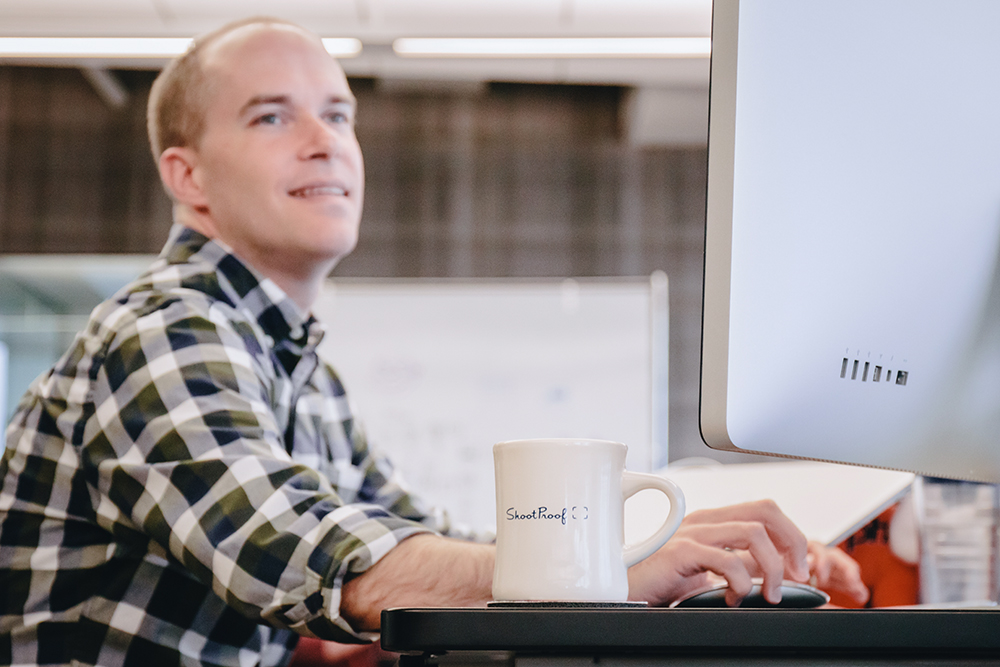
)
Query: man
[{"x": 188, "y": 483}]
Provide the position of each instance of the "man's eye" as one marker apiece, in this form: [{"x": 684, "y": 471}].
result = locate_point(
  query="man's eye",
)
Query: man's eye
[
  {"x": 338, "y": 117},
  {"x": 267, "y": 119}
]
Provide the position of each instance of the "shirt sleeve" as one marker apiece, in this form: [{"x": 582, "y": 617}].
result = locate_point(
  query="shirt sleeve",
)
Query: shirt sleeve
[
  {"x": 184, "y": 450},
  {"x": 384, "y": 485}
]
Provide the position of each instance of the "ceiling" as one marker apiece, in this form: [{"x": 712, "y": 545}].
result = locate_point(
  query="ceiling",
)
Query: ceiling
[
  {"x": 378, "y": 22},
  {"x": 369, "y": 19},
  {"x": 671, "y": 94}
]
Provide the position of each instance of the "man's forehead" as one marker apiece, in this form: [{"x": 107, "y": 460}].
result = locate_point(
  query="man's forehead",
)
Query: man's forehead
[
  {"x": 256, "y": 49},
  {"x": 256, "y": 37},
  {"x": 268, "y": 59}
]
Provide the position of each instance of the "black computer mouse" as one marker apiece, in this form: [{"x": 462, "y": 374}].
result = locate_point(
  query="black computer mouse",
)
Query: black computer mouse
[{"x": 793, "y": 596}]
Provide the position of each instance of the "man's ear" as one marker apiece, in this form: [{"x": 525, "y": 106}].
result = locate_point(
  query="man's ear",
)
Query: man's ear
[{"x": 179, "y": 172}]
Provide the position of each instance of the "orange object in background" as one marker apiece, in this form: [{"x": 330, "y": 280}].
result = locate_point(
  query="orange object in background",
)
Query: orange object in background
[{"x": 891, "y": 581}]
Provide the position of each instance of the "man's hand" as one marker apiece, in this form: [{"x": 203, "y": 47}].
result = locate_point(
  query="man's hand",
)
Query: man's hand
[
  {"x": 834, "y": 570},
  {"x": 736, "y": 543}
]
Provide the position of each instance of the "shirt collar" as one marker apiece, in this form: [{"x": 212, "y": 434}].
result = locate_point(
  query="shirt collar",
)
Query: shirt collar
[{"x": 241, "y": 285}]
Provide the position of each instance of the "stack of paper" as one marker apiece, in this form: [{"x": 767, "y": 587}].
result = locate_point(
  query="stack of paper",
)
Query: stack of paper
[{"x": 827, "y": 501}]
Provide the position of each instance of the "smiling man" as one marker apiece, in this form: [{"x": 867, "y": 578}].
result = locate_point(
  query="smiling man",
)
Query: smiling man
[
  {"x": 275, "y": 171},
  {"x": 188, "y": 485}
]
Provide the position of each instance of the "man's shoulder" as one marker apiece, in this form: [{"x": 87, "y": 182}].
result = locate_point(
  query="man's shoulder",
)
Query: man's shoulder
[{"x": 168, "y": 296}]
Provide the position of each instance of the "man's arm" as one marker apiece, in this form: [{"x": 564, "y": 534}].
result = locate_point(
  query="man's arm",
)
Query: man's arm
[
  {"x": 736, "y": 543},
  {"x": 188, "y": 456},
  {"x": 422, "y": 571},
  {"x": 383, "y": 485}
]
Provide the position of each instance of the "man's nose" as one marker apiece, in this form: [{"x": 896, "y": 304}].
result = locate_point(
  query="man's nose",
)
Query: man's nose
[{"x": 320, "y": 139}]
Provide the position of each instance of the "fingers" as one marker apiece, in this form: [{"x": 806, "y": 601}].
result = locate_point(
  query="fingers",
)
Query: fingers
[
  {"x": 693, "y": 558},
  {"x": 834, "y": 570},
  {"x": 748, "y": 537},
  {"x": 736, "y": 543},
  {"x": 783, "y": 534}
]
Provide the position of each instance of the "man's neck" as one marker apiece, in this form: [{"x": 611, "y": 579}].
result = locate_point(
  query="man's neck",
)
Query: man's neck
[{"x": 302, "y": 284}]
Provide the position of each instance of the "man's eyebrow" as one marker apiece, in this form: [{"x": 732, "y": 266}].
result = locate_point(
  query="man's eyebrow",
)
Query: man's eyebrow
[
  {"x": 343, "y": 99},
  {"x": 258, "y": 100}
]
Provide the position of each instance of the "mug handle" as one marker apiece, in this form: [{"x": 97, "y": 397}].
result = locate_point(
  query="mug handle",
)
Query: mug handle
[{"x": 632, "y": 483}]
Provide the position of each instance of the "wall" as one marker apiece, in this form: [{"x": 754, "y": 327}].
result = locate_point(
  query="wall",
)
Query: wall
[{"x": 469, "y": 181}]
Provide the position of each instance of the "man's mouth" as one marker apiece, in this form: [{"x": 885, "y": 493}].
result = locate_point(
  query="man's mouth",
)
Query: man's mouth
[{"x": 319, "y": 191}]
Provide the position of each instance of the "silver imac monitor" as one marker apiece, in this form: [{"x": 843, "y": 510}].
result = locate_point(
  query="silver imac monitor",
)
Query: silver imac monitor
[{"x": 852, "y": 285}]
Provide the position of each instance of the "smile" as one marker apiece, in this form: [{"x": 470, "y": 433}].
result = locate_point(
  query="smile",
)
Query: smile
[{"x": 319, "y": 191}]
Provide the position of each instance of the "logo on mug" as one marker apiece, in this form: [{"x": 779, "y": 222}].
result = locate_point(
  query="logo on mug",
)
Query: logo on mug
[{"x": 576, "y": 513}]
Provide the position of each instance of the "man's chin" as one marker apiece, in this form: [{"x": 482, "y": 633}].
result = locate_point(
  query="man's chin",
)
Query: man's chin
[{"x": 335, "y": 247}]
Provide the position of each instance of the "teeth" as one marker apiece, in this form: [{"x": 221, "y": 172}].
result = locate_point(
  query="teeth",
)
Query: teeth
[{"x": 319, "y": 191}]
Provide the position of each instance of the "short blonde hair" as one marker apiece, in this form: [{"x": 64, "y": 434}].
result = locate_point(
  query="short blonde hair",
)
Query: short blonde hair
[{"x": 178, "y": 100}]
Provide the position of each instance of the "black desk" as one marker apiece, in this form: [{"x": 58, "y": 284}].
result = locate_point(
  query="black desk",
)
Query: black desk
[{"x": 633, "y": 637}]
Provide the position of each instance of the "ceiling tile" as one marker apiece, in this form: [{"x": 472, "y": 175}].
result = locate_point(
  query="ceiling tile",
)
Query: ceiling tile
[
  {"x": 481, "y": 17},
  {"x": 70, "y": 17},
  {"x": 320, "y": 15},
  {"x": 634, "y": 17},
  {"x": 72, "y": 8}
]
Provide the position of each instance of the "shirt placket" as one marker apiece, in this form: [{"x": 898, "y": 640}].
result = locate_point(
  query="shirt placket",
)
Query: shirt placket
[{"x": 298, "y": 383}]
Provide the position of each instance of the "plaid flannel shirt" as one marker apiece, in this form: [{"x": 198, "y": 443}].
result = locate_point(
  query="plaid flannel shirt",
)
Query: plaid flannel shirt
[{"x": 187, "y": 485}]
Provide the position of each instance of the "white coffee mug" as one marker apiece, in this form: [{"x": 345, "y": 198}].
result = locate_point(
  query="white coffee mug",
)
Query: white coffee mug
[{"x": 560, "y": 520}]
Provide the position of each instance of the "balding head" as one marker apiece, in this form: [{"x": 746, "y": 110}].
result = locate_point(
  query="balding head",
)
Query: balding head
[
  {"x": 254, "y": 135},
  {"x": 179, "y": 98}
]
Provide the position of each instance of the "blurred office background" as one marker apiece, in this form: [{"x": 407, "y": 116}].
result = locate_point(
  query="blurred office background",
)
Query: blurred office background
[{"x": 476, "y": 166}]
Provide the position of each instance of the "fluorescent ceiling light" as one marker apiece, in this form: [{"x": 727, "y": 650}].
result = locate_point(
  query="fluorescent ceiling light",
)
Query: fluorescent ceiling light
[
  {"x": 127, "y": 47},
  {"x": 555, "y": 47},
  {"x": 342, "y": 47},
  {"x": 92, "y": 47}
]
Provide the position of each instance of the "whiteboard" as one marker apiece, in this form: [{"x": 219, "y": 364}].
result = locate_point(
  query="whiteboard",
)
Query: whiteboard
[{"x": 440, "y": 370}]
